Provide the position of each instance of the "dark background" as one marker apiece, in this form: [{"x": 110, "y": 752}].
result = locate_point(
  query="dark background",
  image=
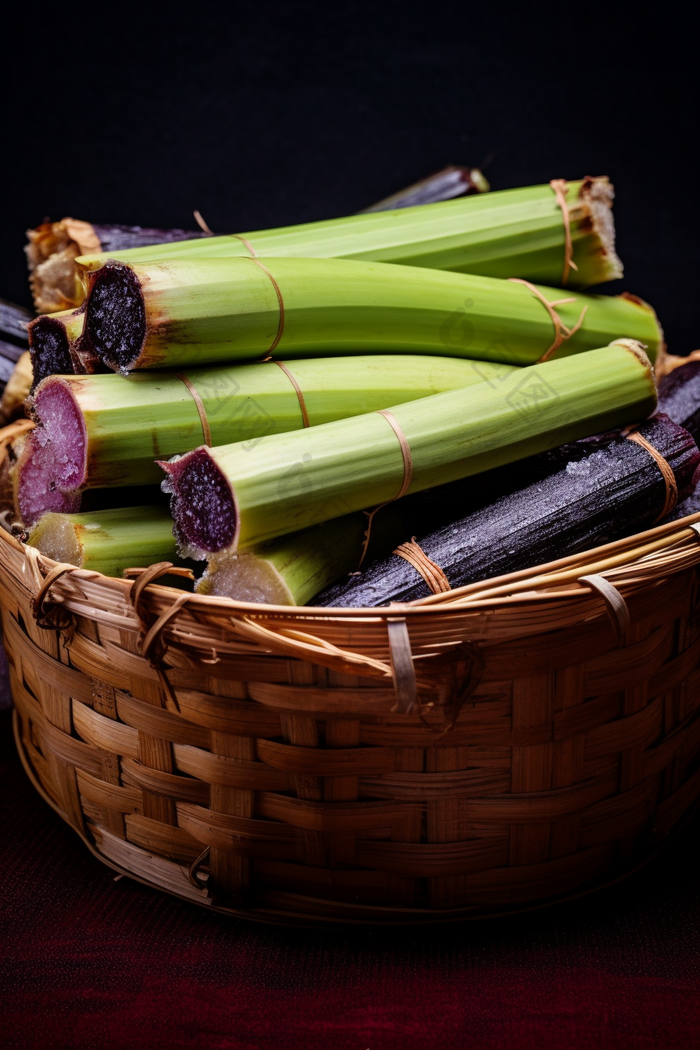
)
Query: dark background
[
  {"x": 269, "y": 114},
  {"x": 266, "y": 114}
]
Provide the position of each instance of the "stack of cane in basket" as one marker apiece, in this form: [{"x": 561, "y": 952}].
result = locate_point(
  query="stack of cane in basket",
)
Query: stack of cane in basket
[{"x": 349, "y": 569}]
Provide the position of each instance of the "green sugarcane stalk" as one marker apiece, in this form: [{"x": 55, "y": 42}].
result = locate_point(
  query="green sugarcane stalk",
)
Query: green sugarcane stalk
[
  {"x": 509, "y": 233},
  {"x": 114, "y": 428},
  {"x": 190, "y": 313},
  {"x": 231, "y": 498},
  {"x": 292, "y": 569},
  {"x": 107, "y": 541}
]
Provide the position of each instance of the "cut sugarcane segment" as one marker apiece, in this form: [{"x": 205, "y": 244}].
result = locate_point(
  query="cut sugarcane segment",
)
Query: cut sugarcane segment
[
  {"x": 102, "y": 431},
  {"x": 107, "y": 541},
  {"x": 508, "y": 233},
  {"x": 189, "y": 313},
  {"x": 233, "y": 497},
  {"x": 52, "y": 345},
  {"x": 291, "y": 569}
]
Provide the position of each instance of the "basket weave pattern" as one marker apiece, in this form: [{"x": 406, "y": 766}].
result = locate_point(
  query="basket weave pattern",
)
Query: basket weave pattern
[{"x": 262, "y": 762}]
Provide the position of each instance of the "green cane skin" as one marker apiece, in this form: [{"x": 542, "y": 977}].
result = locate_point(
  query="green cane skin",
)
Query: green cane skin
[
  {"x": 130, "y": 422},
  {"x": 507, "y": 233},
  {"x": 211, "y": 311},
  {"x": 300, "y": 479}
]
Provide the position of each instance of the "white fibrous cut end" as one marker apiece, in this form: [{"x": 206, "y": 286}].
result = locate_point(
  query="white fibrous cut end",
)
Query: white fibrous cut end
[
  {"x": 245, "y": 578},
  {"x": 598, "y": 194}
]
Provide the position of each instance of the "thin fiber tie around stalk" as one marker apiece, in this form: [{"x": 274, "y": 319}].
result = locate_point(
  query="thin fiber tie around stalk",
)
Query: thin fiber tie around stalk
[
  {"x": 431, "y": 572},
  {"x": 561, "y": 191},
  {"x": 561, "y": 331},
  {"x": 298, "y": 391},
  {"x": 205, "y": 228},
  {"x": 280, "y": 300},
  {"x": 405, "y": 485},
  {"x": 201, "y": 411},
  {"x": 666, "y": 471}
]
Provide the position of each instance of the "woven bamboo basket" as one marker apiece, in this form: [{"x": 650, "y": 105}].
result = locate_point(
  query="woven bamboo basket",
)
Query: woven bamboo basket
[{"x": 495, "y": 748}]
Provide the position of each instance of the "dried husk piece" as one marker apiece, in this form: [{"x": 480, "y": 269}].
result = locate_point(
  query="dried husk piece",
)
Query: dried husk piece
[
  {"x": 16, "y": 390},
  {"x": 54, "y": 246}
]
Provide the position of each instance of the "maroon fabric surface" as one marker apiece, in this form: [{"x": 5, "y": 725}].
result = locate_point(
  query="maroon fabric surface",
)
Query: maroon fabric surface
[{"x": 92, "y": 963}]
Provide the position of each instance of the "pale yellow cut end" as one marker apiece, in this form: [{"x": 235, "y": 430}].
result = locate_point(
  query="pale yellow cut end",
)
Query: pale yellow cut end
[
  {"x": 55, "y": 536},
  {"x": 246, "y": 578}
]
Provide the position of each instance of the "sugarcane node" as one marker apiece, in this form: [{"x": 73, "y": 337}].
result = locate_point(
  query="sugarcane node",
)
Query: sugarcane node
[
  {"x": 280, "y": 326},
  {"x": 115, "y": 316},
  {"x": 201, "y": 410},
  {"x": 300, "y": 396}
]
